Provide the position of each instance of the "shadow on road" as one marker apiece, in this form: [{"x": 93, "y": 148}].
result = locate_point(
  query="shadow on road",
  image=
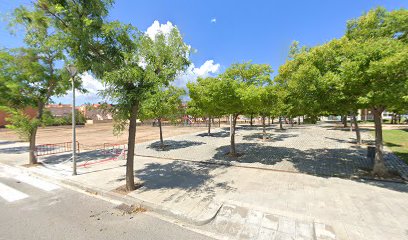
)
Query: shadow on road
[
  {"x": 220, "y": 134},
  {"x": 196, "y": 178},
  {"x": 173, "y": 145},
  {"x": 318, "y": 162},
  {"x": 14, "y": 150},
  {"x": 270, "y": 137}
]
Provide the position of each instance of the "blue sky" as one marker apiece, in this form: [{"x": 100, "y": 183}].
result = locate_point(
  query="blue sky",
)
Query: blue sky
[{"x": 224, "y": 32}]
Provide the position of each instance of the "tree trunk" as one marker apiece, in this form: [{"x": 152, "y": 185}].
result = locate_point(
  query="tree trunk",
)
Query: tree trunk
[
  {"x": 280, "y": 123},
  {"x": 264, "y": 129},
  {"x": 379, "y": 164},
  {"x": 161, "y": 133},
  {"x": 269, "y": 121},
  {"x": 130, "y": 179},
  {"x": 251, "y": 119},
  {"x": 291, "y": 121},
  {"x": 32, "y": 157},
  {"x": 233, "y": 152},
  {"x": 351, "y": 122},
  {"x": 298, "y": 120},
  {"x": 345, "y": 121},
  {"x": 209, "y": 126},
  {"x": 272, "y": 119},
  {"x": 358, "y": 134},
  {"x": 219, "y": 122}
]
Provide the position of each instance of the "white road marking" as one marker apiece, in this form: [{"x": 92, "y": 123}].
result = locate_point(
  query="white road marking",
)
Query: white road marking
[
  {"x": 35, "y": 182},
  {"x": 11, "y": 194}
]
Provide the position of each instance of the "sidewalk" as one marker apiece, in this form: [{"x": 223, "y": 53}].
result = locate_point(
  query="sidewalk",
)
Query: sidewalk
[{"x": 239, "y": 203}]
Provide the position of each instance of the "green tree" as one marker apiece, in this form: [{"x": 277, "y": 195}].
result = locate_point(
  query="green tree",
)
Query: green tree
[
  {"x": 203, "y": 93},
  {"x": 53, "y": 28},
  {"x": 149, "y": 64},
  {"x": 365, "y": 69},
  {"x": 129, "y": 63},
  {"x": 230, "y": 93},
  {"x": 30, "y": 77},
  {"x": 260, "y": 99},
  {"x": 378, "y": 67},
  {"x": 164, "y": 103}
]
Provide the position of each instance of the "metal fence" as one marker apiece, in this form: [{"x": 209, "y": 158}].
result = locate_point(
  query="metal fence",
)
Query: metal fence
[{"x": 54, "y": 148}]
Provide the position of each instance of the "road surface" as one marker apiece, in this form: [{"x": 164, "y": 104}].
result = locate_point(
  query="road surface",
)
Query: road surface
[{"x": 33, "y": 209}]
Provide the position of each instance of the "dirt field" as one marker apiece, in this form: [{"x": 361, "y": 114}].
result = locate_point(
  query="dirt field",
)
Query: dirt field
[{"x": 98, "y": 134}]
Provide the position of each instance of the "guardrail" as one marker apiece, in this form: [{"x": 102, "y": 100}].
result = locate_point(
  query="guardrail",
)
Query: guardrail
[
  {"x": 116, "y": 151},
  {"x": 54, "y": 148}
]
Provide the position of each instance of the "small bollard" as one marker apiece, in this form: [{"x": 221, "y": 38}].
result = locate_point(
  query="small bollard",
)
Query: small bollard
[{"x": 371, "y": 155}]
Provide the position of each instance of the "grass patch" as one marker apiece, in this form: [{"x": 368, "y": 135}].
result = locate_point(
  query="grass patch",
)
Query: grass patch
[{"x": 397, "y": 141}]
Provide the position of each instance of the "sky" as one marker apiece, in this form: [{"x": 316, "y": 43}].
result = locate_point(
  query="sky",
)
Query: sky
[{"x": 225, "y": 32}]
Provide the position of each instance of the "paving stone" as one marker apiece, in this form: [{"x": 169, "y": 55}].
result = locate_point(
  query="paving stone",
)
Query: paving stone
[
  {"x": 249, "y": 231},
  {"x": 324, "y": 232},
  {"x": 283, "y": 236},
  {"x": 322, "y": 150},
  {"x": 270, "y": 221},
  {"x": 254, "y": 217},
  {"x": 287, "y": 225},
  {"x": 266, "y": 234},
  {"x": 304, "y": 230},
  {"x": 233, "y": 229}
]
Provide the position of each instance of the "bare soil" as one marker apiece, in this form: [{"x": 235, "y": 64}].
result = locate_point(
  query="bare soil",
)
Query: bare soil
[{"x": 98, "y": 134}]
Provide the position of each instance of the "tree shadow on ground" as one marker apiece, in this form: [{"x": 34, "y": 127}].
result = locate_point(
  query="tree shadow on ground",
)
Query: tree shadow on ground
[
  {"x": 255, "y": 127},
  {"x": 195, "y": 178},
  {"x": 256, "y": 153},
  {"x": 323, "y": 162},
  {"x": 346, "y": 129},
  {"x": 14, "y": 150},
  {"x": 9, "y": 142},
  {"x": 400, "y": 187},
  {"x": 220, "y": 134},
  {"x": 82, "y": 157},
  {"x": 270, "y": 137},
  {"x": 248, "y": 127},
  {"x": 340, "y": 140},
  {"x": 173, "y": 145}
]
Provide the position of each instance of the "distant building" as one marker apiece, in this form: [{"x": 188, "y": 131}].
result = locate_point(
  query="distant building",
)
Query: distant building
[
  {"x": 29, "y": 111},
  {"x": 96, "y": 113},
  {"x": 59, "y": 110},
  {"x": 367, "y": 115},
  {"x": 362, "y": 115}
]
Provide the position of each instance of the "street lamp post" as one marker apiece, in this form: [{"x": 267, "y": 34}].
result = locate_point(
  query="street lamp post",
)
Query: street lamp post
[{"x": 72, "y": 72}]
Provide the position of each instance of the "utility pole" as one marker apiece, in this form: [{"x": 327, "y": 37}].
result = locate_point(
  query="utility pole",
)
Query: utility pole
[{"x": 72, "y": 72}]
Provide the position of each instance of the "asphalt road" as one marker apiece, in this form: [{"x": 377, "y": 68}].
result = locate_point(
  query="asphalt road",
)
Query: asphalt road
[{"x": 51, "y": 212}]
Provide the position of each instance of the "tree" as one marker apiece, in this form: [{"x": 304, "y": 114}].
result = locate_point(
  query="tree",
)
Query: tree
[
  {"x": 260, "y": 99},
  {"x": 31, "y": 75},
  {"x": 150, "y": 63},
  {"x": 164, "y": 103},
  {"x": 368, "y": 68},
  {"x": 316, "y": 84},
  {"x": 378, "y": 66},
  {"x": 91, "y": 41},
  {"x": 129, "y": 63},
  {"x": 203, "y": 93},
  {"x": 229, "y": 93}
]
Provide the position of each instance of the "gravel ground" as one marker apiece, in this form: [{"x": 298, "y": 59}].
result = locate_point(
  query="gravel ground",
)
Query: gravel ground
[{"x": 324, "y": 150}]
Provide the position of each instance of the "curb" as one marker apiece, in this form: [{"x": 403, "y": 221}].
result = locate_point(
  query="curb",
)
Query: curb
[{"x": 124, "y": 199}]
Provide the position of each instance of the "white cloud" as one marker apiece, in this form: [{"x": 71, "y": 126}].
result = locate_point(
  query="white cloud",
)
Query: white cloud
[
  {"x": 209, "y": 68},
  {"x": 156, "y": 28},
  {"x": 91, "y": 84},
  {"x": 213, "y": 20}
]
